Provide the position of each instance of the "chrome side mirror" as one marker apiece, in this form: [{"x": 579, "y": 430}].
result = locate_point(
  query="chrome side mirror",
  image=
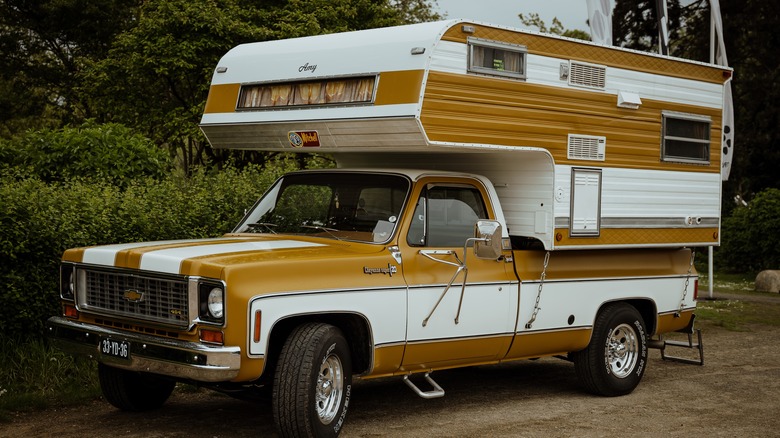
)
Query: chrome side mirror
[{"x": 487, "y": 239}]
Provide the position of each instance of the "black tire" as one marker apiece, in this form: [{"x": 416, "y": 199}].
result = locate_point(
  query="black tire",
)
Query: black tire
[
  {"x": 616, "y": 357},
  {"x": 132, "y": 391},
  {"x": 313, "y": 382}
]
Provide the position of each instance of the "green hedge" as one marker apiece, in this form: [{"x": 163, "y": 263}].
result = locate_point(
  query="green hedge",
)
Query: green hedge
[
  {"x": 111, "y": 152},
  {"x": 39, "y": 220},
  {"x": 751, "y": 236}
]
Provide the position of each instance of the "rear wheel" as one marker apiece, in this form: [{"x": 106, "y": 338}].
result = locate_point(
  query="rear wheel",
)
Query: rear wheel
[
  {"x": 133, "y": 391},
  {"x": 313, "y": 382},
  {"x": 615, "y": 360}
]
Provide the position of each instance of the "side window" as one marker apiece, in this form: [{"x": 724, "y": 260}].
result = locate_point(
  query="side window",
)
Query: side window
[
  {"x": 686, "y": 138},
  {"x": 445, "y": 216},
  {"x": 496, "y": 58}
]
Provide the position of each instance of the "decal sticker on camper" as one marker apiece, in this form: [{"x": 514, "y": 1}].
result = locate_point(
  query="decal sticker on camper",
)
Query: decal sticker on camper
[{"x": 306, "y": 139}]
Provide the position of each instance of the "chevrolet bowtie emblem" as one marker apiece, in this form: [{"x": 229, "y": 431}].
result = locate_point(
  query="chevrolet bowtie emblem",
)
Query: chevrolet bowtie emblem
[{"x": 133, "y": 296}]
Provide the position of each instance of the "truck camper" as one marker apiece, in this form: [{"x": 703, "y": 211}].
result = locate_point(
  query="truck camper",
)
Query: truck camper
[{"x": 500, "y": 195}]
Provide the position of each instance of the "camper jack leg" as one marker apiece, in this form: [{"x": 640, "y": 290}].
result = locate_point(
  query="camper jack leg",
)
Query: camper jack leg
[{"x": 661, "y": 344}]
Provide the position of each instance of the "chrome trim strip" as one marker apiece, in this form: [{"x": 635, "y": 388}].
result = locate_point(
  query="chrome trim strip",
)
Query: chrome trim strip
[
  {"x": 522, "y": 332},
  {"x": 647, "y": 222},
  {"x": 170, "y": 357}
]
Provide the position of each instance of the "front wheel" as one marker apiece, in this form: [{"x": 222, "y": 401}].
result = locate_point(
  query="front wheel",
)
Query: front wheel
[
  {"x": 616, "y": 357},
  {"x": 133, "y": 391},
  {"x": 313, "y": 382}
]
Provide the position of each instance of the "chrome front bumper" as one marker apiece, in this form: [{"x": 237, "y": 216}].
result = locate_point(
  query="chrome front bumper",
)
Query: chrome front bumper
[{"x": 170, "y": 357}]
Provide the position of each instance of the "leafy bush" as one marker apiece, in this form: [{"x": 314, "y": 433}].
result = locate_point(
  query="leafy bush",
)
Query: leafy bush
[
  {"x": 111, "y": 152},
  {"x": 751, "y": 236},
  {"x": 39, "y": 220}
]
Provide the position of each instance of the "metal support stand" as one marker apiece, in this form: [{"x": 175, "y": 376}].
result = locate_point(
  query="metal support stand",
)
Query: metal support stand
[{"x": 662, "y": 344}]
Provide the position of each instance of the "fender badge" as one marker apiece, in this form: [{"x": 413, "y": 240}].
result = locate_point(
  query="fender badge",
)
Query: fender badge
[
  {"x": 133, "y": 296},
  {"x": 389, "y": 270}
]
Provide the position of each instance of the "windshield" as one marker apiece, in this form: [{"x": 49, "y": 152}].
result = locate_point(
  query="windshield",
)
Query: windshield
[{"x": 344, "y": 206}]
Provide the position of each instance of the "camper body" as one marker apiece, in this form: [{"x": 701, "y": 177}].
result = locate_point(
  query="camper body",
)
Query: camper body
[{"x": 499, "y": 195}]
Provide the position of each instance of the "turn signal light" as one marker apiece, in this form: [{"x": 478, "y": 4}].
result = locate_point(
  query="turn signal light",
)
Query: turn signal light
[
  {"x": 212, "y": 337},
  {"x": 70, "y": 311}
]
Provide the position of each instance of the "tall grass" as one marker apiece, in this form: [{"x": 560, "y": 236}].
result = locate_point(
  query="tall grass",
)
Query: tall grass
[{"x": 35, "y": 375}]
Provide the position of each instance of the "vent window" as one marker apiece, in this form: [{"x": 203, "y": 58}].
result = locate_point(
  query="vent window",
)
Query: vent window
[
  {"x": 586, "y": 147},
  {"x": 496, "y": 58},
  {"x": 587, "y": 75},
  {"x": 685, "y": 138},
  {"x": 339, "y": 91}
]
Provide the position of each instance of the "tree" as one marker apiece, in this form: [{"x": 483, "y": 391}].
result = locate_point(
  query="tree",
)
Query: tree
[
  {"x": 635, "y": 24},
  {"x": 148, "y": 64},
  {"x": 44, "y": 45},
  {"x": 750, "y": 34},
  {"x": 156, "y": 75},
  {"x": 533, "y": 20}
]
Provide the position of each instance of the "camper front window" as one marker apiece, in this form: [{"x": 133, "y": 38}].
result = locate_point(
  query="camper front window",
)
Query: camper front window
[
  {"x": 496, "y": 58},
  {"x": 358, "y": 90},
  {"x": 686, "y": 138}
]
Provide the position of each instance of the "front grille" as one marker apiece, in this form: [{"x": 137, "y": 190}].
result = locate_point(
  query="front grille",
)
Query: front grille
[{"x": 139, "y": 297}]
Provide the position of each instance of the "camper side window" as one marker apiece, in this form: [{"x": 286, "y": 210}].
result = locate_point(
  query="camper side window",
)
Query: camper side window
[
  {"x": 685, "y": 138},
  {"x": 497, "y": 58}
]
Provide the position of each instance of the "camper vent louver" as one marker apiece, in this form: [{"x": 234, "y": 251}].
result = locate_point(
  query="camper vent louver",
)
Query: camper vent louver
[
  {"x": 587, "y": 75},
  {"x": 587, "y": 147}
]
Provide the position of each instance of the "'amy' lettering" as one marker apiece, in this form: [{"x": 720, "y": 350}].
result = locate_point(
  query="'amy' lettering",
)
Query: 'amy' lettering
[{"x": 307, "y": 67}]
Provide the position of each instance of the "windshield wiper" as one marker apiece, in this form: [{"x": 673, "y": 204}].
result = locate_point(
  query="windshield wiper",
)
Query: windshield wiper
[
  {"x": 330, "y": 231},
  {"x": 267, "y": 225}
]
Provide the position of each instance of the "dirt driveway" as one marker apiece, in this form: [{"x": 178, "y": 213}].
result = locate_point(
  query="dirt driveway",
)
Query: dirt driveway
[{"x": 735, "y": 394}]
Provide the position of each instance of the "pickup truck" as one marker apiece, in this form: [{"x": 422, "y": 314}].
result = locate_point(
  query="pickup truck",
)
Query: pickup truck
[{"x": 361, "y": 273}]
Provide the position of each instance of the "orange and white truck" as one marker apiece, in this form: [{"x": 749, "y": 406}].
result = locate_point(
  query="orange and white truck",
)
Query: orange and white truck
[{"x": 500, "y": 195}]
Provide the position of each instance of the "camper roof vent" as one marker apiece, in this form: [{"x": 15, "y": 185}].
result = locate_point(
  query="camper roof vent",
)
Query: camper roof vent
[
  {"x": 587, "y": 75},
  {"x": 586, "y": 147}
]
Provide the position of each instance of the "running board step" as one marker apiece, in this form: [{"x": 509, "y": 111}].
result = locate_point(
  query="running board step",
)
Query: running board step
[
  {"x": 661, "y": 344},
  {"x": 436, "y": 392}
]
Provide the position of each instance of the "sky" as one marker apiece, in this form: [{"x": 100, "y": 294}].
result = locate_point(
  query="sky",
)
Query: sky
[{"x": 572, "y": 13}]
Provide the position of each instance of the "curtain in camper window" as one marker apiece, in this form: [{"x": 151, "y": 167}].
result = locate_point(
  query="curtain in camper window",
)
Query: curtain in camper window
[{"x": 324, "y": 92}]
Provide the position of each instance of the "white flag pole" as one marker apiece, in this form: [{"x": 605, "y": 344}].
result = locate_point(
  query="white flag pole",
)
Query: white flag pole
[{"x": 663, "y": 27}]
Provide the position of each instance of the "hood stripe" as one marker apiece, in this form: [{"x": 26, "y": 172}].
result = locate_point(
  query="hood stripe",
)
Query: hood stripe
[
  {"x": 131, "y": 258},
  {"x": 160, "y": 256},
  {"x": 106, "y": 255},
  {"x": 169, "y": 260}
]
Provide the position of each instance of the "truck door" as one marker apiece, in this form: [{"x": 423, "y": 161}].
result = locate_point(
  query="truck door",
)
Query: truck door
[{"x": 455, "y": 325}]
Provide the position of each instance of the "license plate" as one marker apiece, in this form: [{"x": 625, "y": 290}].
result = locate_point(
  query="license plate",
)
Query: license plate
[{"x": 114, "y": 348}]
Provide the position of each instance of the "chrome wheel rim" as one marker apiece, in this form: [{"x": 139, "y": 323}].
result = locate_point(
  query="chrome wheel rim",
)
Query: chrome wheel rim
[
  {"x": 330, "y": 386},
  {"x": 622, "y": 351}
]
